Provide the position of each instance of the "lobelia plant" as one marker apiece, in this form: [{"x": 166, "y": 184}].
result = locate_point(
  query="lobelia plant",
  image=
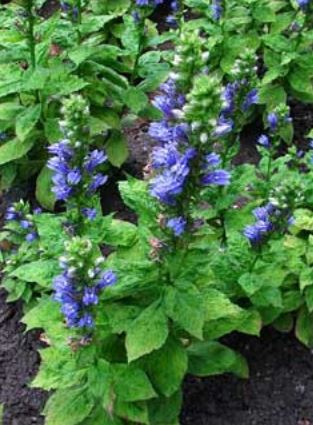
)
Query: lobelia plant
[
  {"x": 151, "y": 306},
  {"x": 279, "y": 33},
  {"x": 43, "y": 60}
]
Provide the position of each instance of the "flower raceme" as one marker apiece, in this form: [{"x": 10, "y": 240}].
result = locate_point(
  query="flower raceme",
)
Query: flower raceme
[
  {"x": 269, "y": 218},
  {"x": 73, "y": 175},
  {"x": 80, "y": 284},
  {"x": 76, "y": 168},
  {"x": 19, "y": 213}
]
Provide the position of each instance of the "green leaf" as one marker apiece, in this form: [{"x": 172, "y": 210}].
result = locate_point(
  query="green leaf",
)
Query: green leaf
[
  {"x": 133, "y": 412},
  {"x": 167, "y": 366},
  {"x": 67, "y": 407},
  {"x": 147, "y": 332},
  {"x": 272, "y": 95},
  {"x": 41, "y": 272},
  {"x": 58, "y": 370},
  {"x": 264, "y": 13},
  {"x": 101, "y": 417},
  {"x": 120, "y": 316},
  {"x": 131, "y": 383},
  {"x": 284, "y": 323},
  {"x": 117, "y": 148},
  {"x": 14, "y": 149},
  {"x": 49, "y": 227},
  {"x": 267, "y": 296},
  {"x": 135, "y": 99},
  {"x": 135, "y": 195},
  {"x": 9, "y": 110},
  {"x": 45, "y": 312},
  {"x": 52, "y": 130},
  {"x": 304, "y": 327},
  {"x": 15, "y": 289},
  {"x": 26, "y": 121},
  {"x": 120, "y": 233},
  {"x": 309, "y": 298},
  {"x": 165, "y": 410},
  {"x": 44, "y": 195},
  {"x": 212, "y": 358},
  {"x": 185, "y": 308}
]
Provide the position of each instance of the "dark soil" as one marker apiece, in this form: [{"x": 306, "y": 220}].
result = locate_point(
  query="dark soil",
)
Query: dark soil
[
  {"x": 19, "y": 362},
  {"x": 278, "y": 392}
]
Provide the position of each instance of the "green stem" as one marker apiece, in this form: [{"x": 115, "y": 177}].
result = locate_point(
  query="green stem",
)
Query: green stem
[
  {"x": 141, "y": 30},
  {"x": 30, "y": 33}
]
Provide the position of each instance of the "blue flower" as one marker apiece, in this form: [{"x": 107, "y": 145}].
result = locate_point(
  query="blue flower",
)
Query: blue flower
[
  {"x": 77, "y": 292},
  {"x": 86, "y": 321},
  {"x": 272, "y": 120},
  {"x": 170, "y": 183},
  {"x": 25, "y": 224},
  {"x": 228, "y": 97},
  {"x": 175, "y": 5},
  {"x": 217, "y": 9},
  {"x": 97, "y": 181},
  {"x": 257, "y": 231},
  {"x": 261, "y": 213},
  {"x": 90, "y": 297},
  {"x": 263, "y": 140},
  {"x": 108, "y": 278},
  {"x": 177, "y": 225},
  {"x": 93, "y": 159},
  {"x": 164, "y": 156},
  {"x": 30, "y": 237},
  {"x": 217, "y": 178},
  {"x": 303, "y": 3},
  {"x": 74, "y": 176},
  {"x": 251, "y": 99},
  {"x": 212, "y": 159},
  {"x": 90, "y": 213},
  {"x": 223, "y": 127}
]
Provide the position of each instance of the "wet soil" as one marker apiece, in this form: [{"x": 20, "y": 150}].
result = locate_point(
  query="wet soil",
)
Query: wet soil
[
  {"x": 278, "y": 392},
  {"x": 19, "y": 362}
]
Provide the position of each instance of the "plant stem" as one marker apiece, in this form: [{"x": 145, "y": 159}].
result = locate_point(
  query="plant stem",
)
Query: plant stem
[
  {"x": 30, "y": 34},
  {"x": 141, "y": 31}
]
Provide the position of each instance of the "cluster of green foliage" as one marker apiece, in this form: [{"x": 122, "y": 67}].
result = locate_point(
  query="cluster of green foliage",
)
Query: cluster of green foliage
[
  {"x": 175, "y": 295},
  {"x": 101, "y": 52}
]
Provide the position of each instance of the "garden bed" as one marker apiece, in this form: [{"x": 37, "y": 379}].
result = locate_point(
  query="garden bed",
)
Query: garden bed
[
  {"x": 202, "y": 249},
  {"x": 279, "y": 390}
]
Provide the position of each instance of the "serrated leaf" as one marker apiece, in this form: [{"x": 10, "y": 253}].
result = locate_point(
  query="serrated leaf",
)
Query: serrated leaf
[
  {"x": 41, "y": 272},
  {"x": 212, "y": 358},
  {"x": 117, "y": 148},
  {"x": 167, "y": 367},
  {"x": 304, "y": 327},
  {"x": 185, "y": 308},
  {"x": 131, "y": 383},
  {"x": 44, "y": 195},
  {"x": 148, "y": 332},
  {"x": 132, "y": 412},
  {"x": 135, "y": 99},
  {"x": 67, "y": 407},
  {"x": 26, "y": 121},
  {"x": 14, "y": 149}
]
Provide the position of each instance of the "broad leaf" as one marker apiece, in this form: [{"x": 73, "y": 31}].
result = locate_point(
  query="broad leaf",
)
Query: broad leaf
[
  {"x": 67, "y": 407},
  {"x": 147, "y": 332},
  {"x": 26, "y": 121},
  {"x": 212, "y": 358}
]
